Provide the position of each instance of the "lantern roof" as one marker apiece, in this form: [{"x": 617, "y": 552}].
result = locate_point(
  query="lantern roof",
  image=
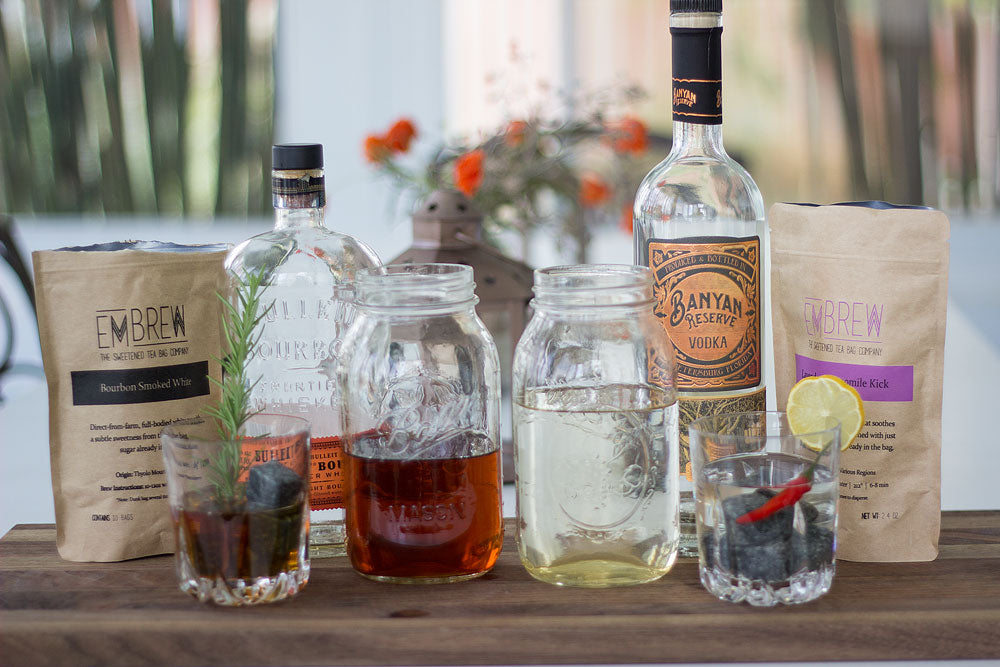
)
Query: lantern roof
[{"x": 447, "y": 227}]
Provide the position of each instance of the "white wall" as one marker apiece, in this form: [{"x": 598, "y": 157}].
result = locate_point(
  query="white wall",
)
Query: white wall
[{"x": 346, "y": 69}]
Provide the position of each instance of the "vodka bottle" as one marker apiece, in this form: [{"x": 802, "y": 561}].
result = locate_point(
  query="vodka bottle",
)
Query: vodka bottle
[
  {"x": 699, "y": 225},
  {"x": 309, "y": 282}
]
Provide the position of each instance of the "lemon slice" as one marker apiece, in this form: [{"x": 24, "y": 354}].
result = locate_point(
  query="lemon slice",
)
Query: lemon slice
[{"x": 813, "y": 399}]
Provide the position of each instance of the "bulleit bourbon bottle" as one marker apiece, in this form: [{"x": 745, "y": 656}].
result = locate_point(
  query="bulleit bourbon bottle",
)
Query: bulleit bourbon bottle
[
  {"x": 699, "y": 225},
  {"x": 309, "y": 283}
]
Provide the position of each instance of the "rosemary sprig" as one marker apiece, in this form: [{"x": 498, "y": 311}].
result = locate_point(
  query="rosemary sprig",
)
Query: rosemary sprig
[{"x": 241, "y": 333}]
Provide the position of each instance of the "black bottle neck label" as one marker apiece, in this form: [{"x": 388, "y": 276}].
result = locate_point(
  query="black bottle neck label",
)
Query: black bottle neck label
[
  {"x": 298, "y": 190},
  {"x": 697, "y": 77}
]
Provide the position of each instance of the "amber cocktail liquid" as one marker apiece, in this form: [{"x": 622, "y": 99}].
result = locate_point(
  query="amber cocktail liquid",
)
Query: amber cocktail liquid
[
  {"x": 425, "y": 520},
  {"x": 240, "y": 508},
  {"x": 241, "y": 544}
]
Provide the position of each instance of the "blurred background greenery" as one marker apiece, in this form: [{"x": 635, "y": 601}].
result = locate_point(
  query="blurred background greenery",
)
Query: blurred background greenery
[
  {"x": 167, "y": 107},
  {"x": 145, "y": 107}
]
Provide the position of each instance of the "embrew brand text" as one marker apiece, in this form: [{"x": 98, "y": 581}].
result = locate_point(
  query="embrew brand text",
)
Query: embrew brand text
[{"x": 140, "y": 327}]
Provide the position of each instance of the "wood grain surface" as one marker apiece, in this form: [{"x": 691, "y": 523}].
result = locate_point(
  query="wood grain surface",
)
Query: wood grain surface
[{"x": 54, "y": 612}]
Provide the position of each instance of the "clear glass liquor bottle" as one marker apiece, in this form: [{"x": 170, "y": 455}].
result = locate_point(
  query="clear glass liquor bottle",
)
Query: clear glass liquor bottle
[
  {"x": 310, "y": 272},
  {"x": 699, "y": 225}
]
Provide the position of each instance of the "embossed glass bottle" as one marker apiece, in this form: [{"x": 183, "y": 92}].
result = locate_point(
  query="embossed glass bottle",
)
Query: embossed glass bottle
[
  {"x": 699, "y": 224},
  {"x": 595, "y": 430},
  {"x": 421, "y": 384},
  {"x": 310, "y": 274}
]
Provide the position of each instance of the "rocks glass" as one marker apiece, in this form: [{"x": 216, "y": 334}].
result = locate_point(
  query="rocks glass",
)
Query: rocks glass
[
  {"x": 766, "y": 507},
  {"x": 595, "y": 430},
  {"x": 240, "y": 508},
  {"x": 421, "y": 387}
]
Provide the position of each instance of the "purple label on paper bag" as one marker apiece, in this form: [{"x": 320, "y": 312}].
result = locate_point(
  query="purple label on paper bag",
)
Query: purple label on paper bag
[{"x": 873, "y": 383}]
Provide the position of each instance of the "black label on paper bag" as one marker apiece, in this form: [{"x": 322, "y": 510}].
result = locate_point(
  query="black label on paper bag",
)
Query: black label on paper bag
[
  {"x": 140, "y": 385},
  {"x": 697, "y": 75}
]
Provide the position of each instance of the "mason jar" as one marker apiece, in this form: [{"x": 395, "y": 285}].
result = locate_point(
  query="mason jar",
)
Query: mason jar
[
  {"x": 421, "y": 386},
  {"x": 595, "y": 430}
]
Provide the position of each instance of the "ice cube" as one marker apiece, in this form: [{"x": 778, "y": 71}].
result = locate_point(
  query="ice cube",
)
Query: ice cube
[
  {"x": 820, "y": 546},
  {"x": 272, "y": 485},
  {"x": 762, "y": 562},
  {"x": 776, "y": 527},
  {"x": 767, "y": 562}
]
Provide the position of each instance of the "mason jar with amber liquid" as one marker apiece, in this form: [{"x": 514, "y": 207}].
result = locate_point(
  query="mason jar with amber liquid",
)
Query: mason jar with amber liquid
[{"x": 421, "y": 387}]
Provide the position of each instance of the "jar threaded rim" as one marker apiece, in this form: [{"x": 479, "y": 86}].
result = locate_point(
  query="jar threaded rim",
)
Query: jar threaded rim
[
  {"x": 587, "y": 285},
  {"x": 416, "y": 285}
]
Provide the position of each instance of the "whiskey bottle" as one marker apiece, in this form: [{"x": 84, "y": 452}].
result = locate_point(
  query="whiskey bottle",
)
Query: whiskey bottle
[
  {"x": 309, "y": 282},
  {"x": 699, "y": 224}
]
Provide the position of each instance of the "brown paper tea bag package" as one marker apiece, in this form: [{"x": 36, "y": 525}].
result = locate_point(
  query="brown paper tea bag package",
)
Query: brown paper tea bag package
[
  {"x": 860, "y": 292},
  {"x": 127, "y": 333}
]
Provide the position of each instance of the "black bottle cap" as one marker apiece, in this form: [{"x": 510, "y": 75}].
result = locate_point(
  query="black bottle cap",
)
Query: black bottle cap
[
  {"x": 297, "y": 156},
  {"x": 695, "y": 6}
]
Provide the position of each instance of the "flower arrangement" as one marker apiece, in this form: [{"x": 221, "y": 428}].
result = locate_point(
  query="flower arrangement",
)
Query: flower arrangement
[{"x": 564, "y": 176}]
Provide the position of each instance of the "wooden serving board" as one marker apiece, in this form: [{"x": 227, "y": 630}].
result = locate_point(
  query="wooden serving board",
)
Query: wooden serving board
[{"x": 54, "y": 612}]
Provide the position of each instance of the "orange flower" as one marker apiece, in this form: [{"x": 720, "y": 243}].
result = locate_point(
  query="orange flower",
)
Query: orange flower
[
  {"x": 514, "y": 135},
  {"x": 630, "y": 135},
  {"x": 376, "y": 150},
  {"x": 469, "y": 172},
  {"x": 625, "y": 222},
  {"x": 400, "y": 135},
  {"x": 593, "y": 191}
]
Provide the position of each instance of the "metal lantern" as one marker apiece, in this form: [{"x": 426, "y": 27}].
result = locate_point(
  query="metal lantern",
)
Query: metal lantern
[{"x": 448, "y": 228}]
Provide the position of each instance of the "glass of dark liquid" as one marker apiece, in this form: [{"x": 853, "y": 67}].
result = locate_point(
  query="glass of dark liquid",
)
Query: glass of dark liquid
[{"x": 240, "y": 508}]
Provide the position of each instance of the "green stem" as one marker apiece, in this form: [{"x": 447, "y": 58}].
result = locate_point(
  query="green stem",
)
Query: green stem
[{"x": 241, "y": 331}]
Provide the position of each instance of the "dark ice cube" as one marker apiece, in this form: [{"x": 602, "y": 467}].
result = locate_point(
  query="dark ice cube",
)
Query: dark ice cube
[
  {"x": 809, "y": 511},
  {"x": 708, "y": 547},
  {"x": 767, "y": 562},
  {"x": 774, "y": 528},
  {"x": 272, "y": 485},
  {"x": 811, "y": 550},
  {"x": 273, "y": 534},
  {"x": 820, "y": 545}
]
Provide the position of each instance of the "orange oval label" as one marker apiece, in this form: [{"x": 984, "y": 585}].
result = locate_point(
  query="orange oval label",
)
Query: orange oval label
[{"x": 708, "y": 300}]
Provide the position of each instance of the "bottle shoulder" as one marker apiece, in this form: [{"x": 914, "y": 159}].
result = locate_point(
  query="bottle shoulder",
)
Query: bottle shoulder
[
  {"x": 297, "y": 249},
  {"x": 700, "y": 187}
]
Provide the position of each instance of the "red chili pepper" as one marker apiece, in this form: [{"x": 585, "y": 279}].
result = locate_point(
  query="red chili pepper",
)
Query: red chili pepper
[{"x": 792, "y": 491}]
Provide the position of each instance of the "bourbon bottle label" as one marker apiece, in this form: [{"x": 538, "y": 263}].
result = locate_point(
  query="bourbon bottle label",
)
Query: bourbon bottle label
[
  {"x": 326, "y": 489},
  {"x": 288, "y": 450},
  {"x": 707, "y": 293}
]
